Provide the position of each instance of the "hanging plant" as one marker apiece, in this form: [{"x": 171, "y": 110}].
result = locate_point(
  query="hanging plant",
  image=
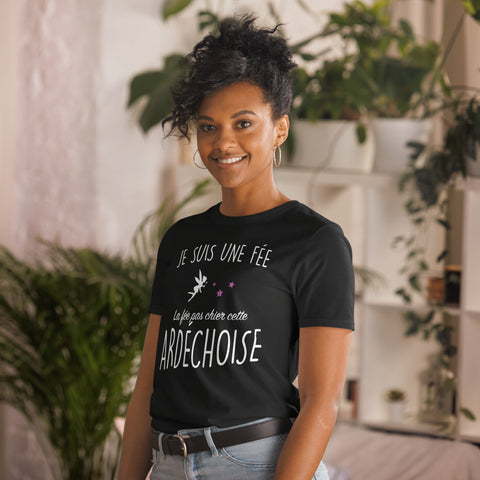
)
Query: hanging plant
[{"x": 431, "y": 174}]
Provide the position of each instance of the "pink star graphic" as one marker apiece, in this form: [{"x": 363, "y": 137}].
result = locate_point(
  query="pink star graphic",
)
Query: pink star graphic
[
  {"x": 214, "y": 284},
  {"x": 219, "y": 293},
  {"x": 231, "y": 284}
]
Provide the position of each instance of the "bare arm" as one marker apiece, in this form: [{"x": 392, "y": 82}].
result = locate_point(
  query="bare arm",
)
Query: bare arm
[
  {"x": 135, "y": 459},
  {"x": 323, "y": 357}
]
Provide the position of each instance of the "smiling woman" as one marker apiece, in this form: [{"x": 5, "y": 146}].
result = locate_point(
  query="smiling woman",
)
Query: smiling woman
[
  {"x": 250, "y": 293},
  {"x": 236, "y": 143}
]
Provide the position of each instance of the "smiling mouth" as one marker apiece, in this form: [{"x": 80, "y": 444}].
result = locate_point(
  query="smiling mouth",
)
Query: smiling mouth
[{"x": 225, "y": 161}]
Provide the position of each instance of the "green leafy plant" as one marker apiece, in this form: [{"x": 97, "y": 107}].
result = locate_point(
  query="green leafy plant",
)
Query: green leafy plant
[
  {"x": 432, "y": 172},
  {"x": 155, "y": 85},
  {"x": 381, "y": 71},
  {"x": 395, "y": 395},
  {"x": 71, "y": 331},
  {"x": 71, "y": 327},
  {"x": 325, "y": 94},
  {"x": 329, "y": 94},
  {"x": 472, "y": 7},
  {"x": 390, "y": 65}
]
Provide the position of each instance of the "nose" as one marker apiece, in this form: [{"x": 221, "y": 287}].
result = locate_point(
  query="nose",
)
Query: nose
[{"x": 224, "y": 139}]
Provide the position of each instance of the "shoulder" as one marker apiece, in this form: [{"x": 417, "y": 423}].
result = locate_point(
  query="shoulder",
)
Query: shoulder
[
  {"x": 314, "y": 227},
  {"x": 190, "y": 222},
  {"x": 182, "y": 228}
]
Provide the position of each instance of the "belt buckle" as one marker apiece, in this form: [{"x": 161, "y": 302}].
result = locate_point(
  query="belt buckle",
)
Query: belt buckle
[{"x": 183, "y": 445}]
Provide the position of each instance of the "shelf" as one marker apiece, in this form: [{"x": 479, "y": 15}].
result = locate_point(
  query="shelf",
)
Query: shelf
[
  {"x": 470, "y": 183},
  {"x": 415, "y": 306},
  {"x": 328, "y": 177},
  {"x": 325, "y": 176}
]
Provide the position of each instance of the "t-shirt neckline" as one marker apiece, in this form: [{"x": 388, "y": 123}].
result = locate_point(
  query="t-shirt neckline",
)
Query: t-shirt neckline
[{"x": 219, "y": 217}]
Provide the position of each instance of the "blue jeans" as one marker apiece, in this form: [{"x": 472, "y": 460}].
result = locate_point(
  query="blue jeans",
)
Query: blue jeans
[{"x": 255, "y": 460}]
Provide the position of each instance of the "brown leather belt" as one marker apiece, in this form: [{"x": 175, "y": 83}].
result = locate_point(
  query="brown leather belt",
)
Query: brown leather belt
[{"x": 178, "y": 445}]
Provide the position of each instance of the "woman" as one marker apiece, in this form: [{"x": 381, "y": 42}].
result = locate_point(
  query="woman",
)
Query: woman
[{"x": 246, "y": 294}]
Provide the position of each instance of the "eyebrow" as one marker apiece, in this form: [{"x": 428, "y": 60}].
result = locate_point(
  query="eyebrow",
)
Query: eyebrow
[
  {"x": 235, "y": 115},
  {"x": 243, "y": 112}
]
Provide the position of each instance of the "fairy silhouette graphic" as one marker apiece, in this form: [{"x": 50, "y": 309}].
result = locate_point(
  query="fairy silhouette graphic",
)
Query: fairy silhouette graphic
[{"x": 201, "y": 282}]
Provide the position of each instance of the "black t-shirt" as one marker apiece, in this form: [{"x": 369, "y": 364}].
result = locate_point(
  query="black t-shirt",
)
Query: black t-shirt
[{"x": 233, "y": 293}]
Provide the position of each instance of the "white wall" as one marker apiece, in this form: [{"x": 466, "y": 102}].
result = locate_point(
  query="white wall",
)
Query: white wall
[{"x": 9, "y": 25}]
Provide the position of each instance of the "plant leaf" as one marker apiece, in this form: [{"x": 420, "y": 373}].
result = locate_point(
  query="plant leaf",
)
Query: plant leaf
[
  {"x": 143, "y": 84},
  {"x": 361, "y": 131},
  {"x": 172, "y": 7},
  {"x": 442, "y": 256},
  {"x": 446, "y": 89},
  {"x": 406, "y": 29},
  {"x": 156, "y": 86},
  {"x": 468, "y": 413},
  {"x": 207, "y": 19},
  {"x": 473, "y": 8},
  {"x": 444, "y": 223},
  {"x": 414, "y": 282},
  {"x": 305, "y": 7}
]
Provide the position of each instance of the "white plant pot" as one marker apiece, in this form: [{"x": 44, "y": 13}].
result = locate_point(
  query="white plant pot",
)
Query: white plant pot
[
  {"x": 332, "y": 144},
  {"x": 391, "y": 138},
  {"x": 396, "y": 411},
  {"x": 473, "y": 166}
]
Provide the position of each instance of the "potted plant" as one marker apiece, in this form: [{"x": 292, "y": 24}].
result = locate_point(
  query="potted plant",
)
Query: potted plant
[
  {"x": 396, "y": 401},
  {"x": 392, "y": 67},
  {"x": 71, "y": 333},
  {"x": 327, "y": 118},
  {"x": 437, "y": 392}
]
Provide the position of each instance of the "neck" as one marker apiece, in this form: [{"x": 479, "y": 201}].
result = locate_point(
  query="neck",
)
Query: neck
[{"x": 238, "y": 202}]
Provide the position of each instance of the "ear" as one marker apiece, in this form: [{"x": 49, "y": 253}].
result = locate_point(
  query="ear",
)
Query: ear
[{"x": 282, "y": 126}]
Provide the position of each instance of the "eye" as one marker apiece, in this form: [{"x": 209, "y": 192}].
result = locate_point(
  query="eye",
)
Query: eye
[
  {"x": 244, "y": 124},
  {"x": 206, "y": 127}
]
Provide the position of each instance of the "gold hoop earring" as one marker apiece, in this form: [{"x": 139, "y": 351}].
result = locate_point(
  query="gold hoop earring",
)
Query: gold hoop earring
[
  {"x": 277, "y": 161},
  {"x": 196, "y": 164}
]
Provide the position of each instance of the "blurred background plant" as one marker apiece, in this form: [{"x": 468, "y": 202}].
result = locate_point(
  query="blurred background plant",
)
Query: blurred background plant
[
  {"x": 389, "y": 62},
  {"x": 72, "y": 326},
  {"x": 432, "y": 174}
]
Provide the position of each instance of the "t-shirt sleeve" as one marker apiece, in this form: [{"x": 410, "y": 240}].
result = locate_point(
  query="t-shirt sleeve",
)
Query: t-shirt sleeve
[
  {"x": 156, "y": 301},
  {"x": 323, "y": 280}
]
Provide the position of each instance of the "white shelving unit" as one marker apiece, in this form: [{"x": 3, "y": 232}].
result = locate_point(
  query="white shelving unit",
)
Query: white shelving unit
[
  {"x": 469, "y": 353},
  {"x": 371, "y": 213}
]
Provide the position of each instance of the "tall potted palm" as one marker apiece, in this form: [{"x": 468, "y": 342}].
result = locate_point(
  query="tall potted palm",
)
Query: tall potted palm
[{"x": 72, "y": 326}]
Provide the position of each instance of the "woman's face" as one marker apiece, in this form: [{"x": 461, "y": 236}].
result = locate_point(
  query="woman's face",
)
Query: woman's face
[{"x": 236, "y": 135}]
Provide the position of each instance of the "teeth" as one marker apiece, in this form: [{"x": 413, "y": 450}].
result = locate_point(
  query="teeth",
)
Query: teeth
[{"x": 229, "y": 160}]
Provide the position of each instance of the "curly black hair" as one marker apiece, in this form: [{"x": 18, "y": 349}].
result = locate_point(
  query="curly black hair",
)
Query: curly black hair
[{"x": 239, "y": 51}]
